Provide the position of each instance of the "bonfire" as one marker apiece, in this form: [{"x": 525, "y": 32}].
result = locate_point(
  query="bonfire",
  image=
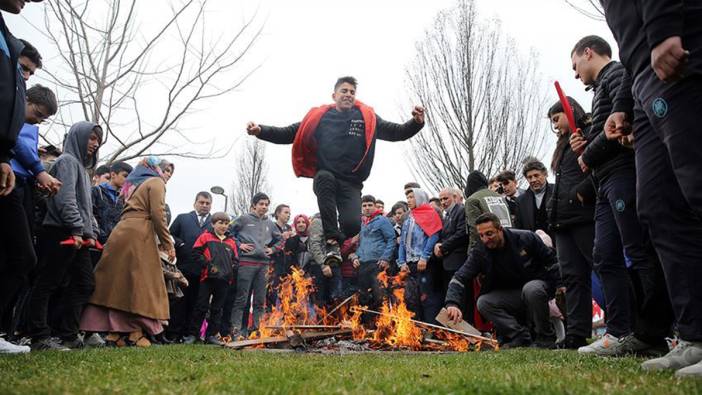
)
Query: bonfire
[{"x": 296, "y": 322}]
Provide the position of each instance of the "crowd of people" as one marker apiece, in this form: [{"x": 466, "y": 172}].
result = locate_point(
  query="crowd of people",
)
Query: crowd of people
[{"x": 99, "y": 261}]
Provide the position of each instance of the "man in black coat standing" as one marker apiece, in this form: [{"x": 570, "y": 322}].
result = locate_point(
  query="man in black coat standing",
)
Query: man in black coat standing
[
  {"x": 453, "y": 244},
  {"x": 532, "y": 214},
  {"x": 519, "y": 276}
]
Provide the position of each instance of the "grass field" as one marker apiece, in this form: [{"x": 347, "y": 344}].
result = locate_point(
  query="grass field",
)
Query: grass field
[{"x": 203, "y": 370}]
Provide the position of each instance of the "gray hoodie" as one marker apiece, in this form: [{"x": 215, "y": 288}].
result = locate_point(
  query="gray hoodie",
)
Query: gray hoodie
[
  {"x": 71, "y": 207},
  {"x": 259, "y": 231}
]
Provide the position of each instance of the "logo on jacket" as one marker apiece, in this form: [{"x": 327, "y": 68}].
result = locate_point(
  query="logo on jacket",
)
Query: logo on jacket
[
  {"x": 620, "y": 205},
  {"x": 659, "y": 107}
]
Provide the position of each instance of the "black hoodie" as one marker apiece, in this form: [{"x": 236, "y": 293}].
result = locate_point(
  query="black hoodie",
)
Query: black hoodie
[{"x": 71, "y": 207}]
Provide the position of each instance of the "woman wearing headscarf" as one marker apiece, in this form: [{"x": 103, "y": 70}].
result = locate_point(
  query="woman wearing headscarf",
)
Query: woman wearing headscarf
[
  {"x": 167, "y": 168},
  {"x": 130, "y": 298}
]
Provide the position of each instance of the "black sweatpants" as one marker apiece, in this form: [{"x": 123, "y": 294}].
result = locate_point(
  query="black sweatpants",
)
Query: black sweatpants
[
  {"x": 217, "y": 290},
  {"x": 182, "y": 308},
  {"x": 58, "y": 264},
  {"x": 574, "y": 247},
  {"x": 370, "y": 293},
  {"x": 17, "y": 257},
  {"x": 334, "y": 194},
  {"x": 668, "y": 137}
]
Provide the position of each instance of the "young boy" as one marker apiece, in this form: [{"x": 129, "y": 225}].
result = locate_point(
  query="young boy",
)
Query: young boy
[
  {"x": 69, "y": 219},
  {"x": 216, "y": 253},
  {"x": 420, "y": 232}
]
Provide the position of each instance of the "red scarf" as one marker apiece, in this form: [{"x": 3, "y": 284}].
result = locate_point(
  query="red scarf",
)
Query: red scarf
[
  {"x": 365, "y": 220},
  {"x": 426, "y": 217},
  {"x": 304, "y": 149}
]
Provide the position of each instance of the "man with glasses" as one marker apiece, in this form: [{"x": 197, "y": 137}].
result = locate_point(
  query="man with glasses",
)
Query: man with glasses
[{"x": 29, "y": 60}]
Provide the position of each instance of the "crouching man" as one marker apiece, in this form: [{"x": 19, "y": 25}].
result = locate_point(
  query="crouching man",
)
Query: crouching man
[{"x": 518, "y": 274}]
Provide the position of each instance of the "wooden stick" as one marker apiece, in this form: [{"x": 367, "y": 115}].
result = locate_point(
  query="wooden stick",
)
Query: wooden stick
[
  {"x": 285, "y": 339},
  {"x": 341, "y": 304},
  {"x": 428, "y": 325}
]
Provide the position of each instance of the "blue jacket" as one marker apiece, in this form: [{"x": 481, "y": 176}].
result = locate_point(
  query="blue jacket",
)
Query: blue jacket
[
  {"x": 376, "y": 241},
  {"x": 185, "y": 229},
  {"x": 415, "y": 245},
  {"x": 26, "y": 163}
]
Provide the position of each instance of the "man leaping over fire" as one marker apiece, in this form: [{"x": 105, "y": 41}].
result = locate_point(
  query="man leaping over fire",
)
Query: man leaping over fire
[{"x": 335, "y": 145}]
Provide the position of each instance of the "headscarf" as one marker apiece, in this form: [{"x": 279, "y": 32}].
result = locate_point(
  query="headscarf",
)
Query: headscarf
[
  {"x": 307, "y": 221},
  {"x": 147, "y": 168},
  {"x": 424, "y": 213}
]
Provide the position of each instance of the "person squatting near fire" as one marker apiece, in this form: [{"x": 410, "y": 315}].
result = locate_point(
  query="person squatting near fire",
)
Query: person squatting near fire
[{"x": 335, "y": 145}]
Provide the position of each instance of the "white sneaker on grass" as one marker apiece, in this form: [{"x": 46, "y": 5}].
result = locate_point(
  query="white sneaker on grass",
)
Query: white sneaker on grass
[
  {"x": 9, "y": 348},
  {"x": 683, "y": 355},
  {"x": 612, "y": 346}
]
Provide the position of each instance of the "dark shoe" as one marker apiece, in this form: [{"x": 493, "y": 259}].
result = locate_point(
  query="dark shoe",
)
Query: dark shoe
[
  {"x": 190, "y": 339},
  {"x": 48, "y": 344},
  {"x": 544, "y": 343},
  {"x": 516, "y": 343},
  {"x": 214, "y": 340},
  {"x": 572, "y": 343},
  {"x": 75, "y": 343}
]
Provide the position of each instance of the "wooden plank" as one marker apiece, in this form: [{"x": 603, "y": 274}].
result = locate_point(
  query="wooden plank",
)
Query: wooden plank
[
  {"x": 284, "y": 339},
  {"x": 462, "y": 326}
]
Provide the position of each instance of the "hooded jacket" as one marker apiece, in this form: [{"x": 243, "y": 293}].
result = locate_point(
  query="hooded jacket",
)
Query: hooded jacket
[
  {"x": 259, "y": 231},
  {"x": 72, "y": 207},
  {"x": 479, "y": 200},
  {"x": 12, "y": 92}
]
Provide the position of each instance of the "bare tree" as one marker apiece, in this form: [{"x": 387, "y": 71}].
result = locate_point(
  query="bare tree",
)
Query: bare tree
[
  {"x": 485, "y": 101},
  {"x": 140, "y": 83},
  {"x": 251, "y": 176},
  {"x": 590, "y": 8}
]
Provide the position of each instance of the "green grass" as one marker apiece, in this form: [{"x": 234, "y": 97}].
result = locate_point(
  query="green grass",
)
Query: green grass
[{"x": 203, "y": 370}]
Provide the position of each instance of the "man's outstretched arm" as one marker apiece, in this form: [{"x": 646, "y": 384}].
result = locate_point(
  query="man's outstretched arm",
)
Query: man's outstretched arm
[
  {"x": 276, "y": 135},
  {"x": 390, "y": 131}
]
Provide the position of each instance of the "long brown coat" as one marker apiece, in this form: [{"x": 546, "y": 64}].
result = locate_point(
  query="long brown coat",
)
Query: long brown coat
[{"x": 128, "y": 277}]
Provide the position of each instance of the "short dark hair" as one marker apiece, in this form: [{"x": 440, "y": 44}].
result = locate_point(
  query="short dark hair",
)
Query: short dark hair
[
  {"x": 258, "y": 197},
  {"x": 435, "y": 200},
  {"x": 533, "y": 165},
  {"x": 506, "y": 175},
  {"x": 398, "y": 205},
  {"x": 203, "y": 194},
  {"x": 220, "y": 216},
  {"x": 368, "y": 198},
  {"x": 378, "y": 201},
  {"x": 30, "y": 52},
  {"x": 595, "y": 43},
  {"x": 278, "y": 209},
  {"x": 493, "y": 179},
  {"x": 410, "y": 185},
  {"x": 43, "y": 96},
  {"x": 488, "y": 217},
  {"x": 119, "y": 167},
  {"x": 102, "y": 169},
  {"x": 346, "y": 80}
]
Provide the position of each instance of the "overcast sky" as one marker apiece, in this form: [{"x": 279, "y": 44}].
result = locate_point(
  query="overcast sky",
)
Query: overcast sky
[{"x": 307, "y": 44}]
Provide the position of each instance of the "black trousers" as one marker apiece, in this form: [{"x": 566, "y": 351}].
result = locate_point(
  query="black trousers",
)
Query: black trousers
[
  {"x": 334, "y": 194},
  {"x": 669, "y": 192},
  {"x": 17, "y": 256},
  {"x": 574, "y": 247},
  {"x": 58, "y": 264},
  {"x": 225, "y": 324},
  {"x": 182, "y": 308},
  {"x": 370, "y": 293},
  {"x": 217, "y": 290}
]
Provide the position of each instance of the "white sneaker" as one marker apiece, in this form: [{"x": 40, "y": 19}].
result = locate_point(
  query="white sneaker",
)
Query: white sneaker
[
  {"x": 9, "y": 348},
  {"x": 683, "y": 355},
  {"x": 611, "y": 346}
]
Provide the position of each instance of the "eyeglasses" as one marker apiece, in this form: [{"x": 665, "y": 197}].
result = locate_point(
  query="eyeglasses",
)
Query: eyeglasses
[{"x": 26, "y": 69}]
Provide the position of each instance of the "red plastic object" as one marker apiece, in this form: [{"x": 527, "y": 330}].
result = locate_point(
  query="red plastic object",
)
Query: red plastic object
[{"x": 86, "y": 243}]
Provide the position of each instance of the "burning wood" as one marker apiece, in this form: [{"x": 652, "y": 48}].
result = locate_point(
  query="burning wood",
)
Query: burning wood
[{"x": 295, "y": 322}]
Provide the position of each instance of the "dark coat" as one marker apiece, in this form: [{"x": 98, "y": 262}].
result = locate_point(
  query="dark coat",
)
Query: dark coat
[
  {"x": 12, "y": 93},
  {"x": 107, "y": 209},
  {"x": 527, "y": 213},
  {"x": 564, "y": 208},
  {"x": 530, "y": 259},
  {"x": 454, "y": 239},
  {"x": 185, "y": 229}
]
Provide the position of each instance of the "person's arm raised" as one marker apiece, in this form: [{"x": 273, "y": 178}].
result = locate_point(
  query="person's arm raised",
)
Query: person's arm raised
[
  {"x": 272, "y": 134},
  {"x": 390, "y": 131}
]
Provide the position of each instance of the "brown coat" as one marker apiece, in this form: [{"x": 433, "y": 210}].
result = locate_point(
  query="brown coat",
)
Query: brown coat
[{"x": 128, "y": 277}]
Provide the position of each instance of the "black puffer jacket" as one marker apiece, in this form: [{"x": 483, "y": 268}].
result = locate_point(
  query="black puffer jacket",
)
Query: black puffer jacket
[
  {"x": 602, "y": 155},
  {"x": 564, "y": 209}
]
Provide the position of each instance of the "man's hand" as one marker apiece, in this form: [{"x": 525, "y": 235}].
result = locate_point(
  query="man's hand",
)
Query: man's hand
[
  {"x": 91, "y": 242},
  {"x": 356, "y": 263},
  {"x": 437, "y": 250},
  {"x": 172, "y": 255},
  {"x": 418, "y": 114},
  {"x": 7, "y": 179},
  {"x": 383, "y": 264},
  {"x": 454, "y": 314},
  {"x": 77, "y": 242},
  {"x": 404, "y": 267},
  {"x": 669, "y": 59},
  {"x": 48, "y": 183},
  {"x": 247, "y": 247},
  {"x": 253, "y": 129},
  {"x": 422, "y": 265},
  {"x": 617, "y": 126},
  {"x": 583, "y": 165},
  {"x": 577, "y": 142},
  {"x": 268, "y": 251},
  {"x": 326, "y": 271},
  {"x": 627, "y": 141},
  {"x": 286, "y": 235}
]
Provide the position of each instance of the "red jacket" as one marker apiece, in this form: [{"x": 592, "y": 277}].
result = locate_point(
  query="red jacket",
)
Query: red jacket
[
  {"x": 218, "y": 259},
  {"x": 304, "y": 150}
]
